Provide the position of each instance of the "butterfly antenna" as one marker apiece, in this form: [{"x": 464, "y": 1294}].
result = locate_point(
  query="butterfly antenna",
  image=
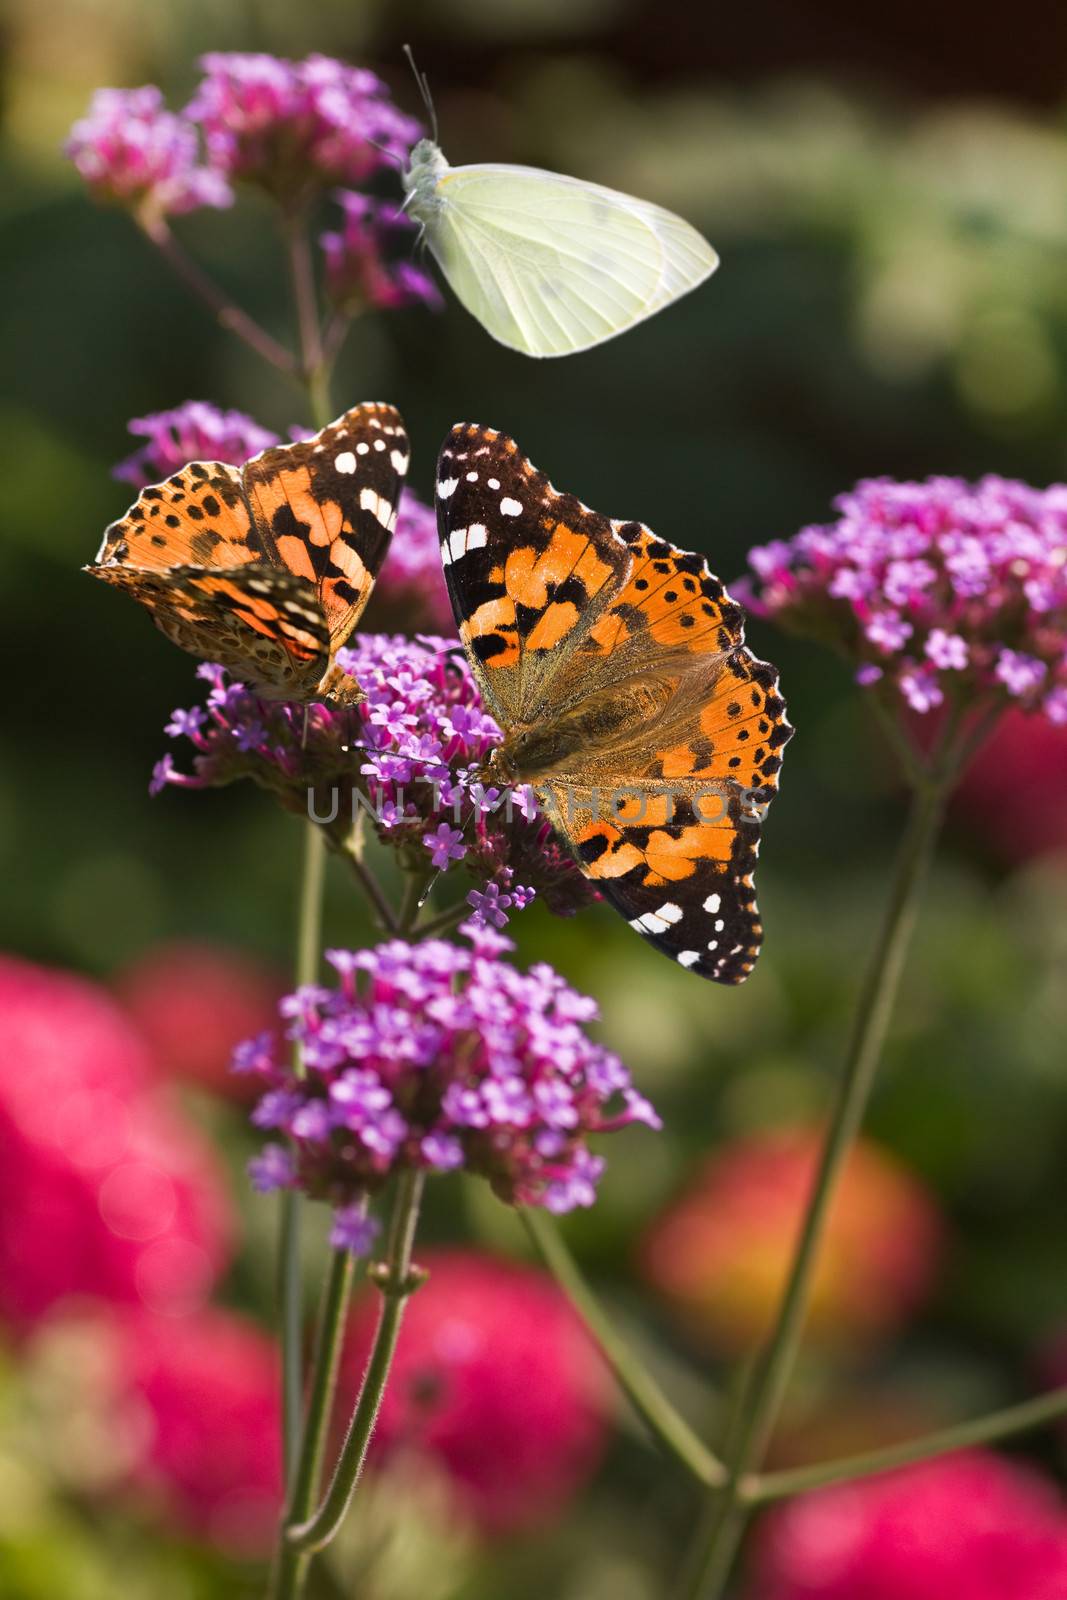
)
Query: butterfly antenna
[
  {"x": 424, "y": 91},
  {"x": 390, "y": 155}
]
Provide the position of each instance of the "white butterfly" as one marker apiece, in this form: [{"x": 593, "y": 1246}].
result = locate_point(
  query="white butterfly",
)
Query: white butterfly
[{"x": 550, "y": 264}]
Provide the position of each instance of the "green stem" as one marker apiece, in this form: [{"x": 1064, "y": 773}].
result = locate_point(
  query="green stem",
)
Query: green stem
[
  {"x": 290, "y": 1566},
  {"x": 226, "y": 313},
  {"x": 444, "y": 921},
  {"x": 396, "y": 1280},
  {"x": 316, "y": 368},
  {"x": 982, "y": 1430},
  {"x": 640, "y": 1388},
  {"x": 290, "y": 1284},
  {"x": 721, "y": 1534}
]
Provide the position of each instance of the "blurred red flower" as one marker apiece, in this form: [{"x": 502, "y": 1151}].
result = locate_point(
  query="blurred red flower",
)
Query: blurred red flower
[
  {"x": 206, "y": 1387},
  {"x": 104, "y": 1189},
  {"x": 194, "y": 1001},
  {"x": 496, "y": 1381},
  {"x": 964, "y": 1527},
  {"x": 721, "y": 1252},
  {"x": 1014, "y": 793}
]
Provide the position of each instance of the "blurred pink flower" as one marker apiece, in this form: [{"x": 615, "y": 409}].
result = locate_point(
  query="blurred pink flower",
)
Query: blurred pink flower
[
  {"x": 965, "y": 1527},
  {"x": 209, "y": 1454},
  {"x": 1014, "y": 793},
  {"x": 721, "y": 1252},
  {"x": 131, "y": 150},
  {"x": 194, "y": 1002},
  {"x": 496, "y": 1381},
  {"x": 104, "y": 1189}
]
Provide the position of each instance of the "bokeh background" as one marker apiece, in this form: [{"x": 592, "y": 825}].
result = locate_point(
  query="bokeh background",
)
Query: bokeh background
[{"x": 889, "y": 197}]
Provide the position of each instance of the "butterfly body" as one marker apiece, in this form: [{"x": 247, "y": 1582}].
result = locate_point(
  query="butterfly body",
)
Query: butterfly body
[
  {"x": 550, "y": 264},
  {"x": 266, "y": 568},
  {"x": 616, "y": 666}
]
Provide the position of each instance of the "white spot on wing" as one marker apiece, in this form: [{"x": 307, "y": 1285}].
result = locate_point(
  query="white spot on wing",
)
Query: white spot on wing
[
  {"x": 380, "y": 508},
  {"x": 345, "y": 462},
  {"x": 712, "y": 903},
  {"x": 446, "y": 488},
  {"x": 510, "y": 507},
  {"x": 399, "y": 460},
  {"x": 688, "y": 958}
]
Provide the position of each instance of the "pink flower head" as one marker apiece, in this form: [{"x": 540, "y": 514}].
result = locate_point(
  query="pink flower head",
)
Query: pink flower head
[
  {"x": 97, "y": 1162},
  {"x": 496, "y": 1381},
  {"x": 971, "y": 1526},
  {"x": 968, "y": 579},
  {"x": 406, "y": 760},
  {"x": 194, "y": 1002},
  {"x": 130, "y": 150},
  {"x": 432, "y": 1056},
  {"x": 194, "y": 431},
  {"x": 364, "y": 259},
  {"x": 190, "y": 1407},
  {"x": 410, "y": 593},
  {"x": 293, "y": 127},
  {"x": 720, "y": 1253}
]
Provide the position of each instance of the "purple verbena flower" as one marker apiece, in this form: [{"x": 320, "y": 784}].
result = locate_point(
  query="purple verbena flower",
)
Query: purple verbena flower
[
  {"x": 354, "y": 1230},
  {"x": 294, "y": 127},
  {"x": 404, "y": 762},
  {"x": 447, "y": 1057},
  {"x": 934, "y": 589},
  {"x": 194, "y": 431},
  {"x": 131, "y": 150}
]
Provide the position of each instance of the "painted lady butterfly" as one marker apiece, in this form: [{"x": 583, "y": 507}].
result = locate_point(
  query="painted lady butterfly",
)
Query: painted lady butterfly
[
  {"x": 616, "y": 665},
  {"x": 267, "y": 568}
]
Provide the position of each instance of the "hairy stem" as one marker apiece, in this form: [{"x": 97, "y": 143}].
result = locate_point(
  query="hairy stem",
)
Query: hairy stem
[
  {"x": 290, "y": 1285},
  {"x": 226, "y": 313},
  {"x": 290, "y": 1565},
  {"x": 396, "y": 1280},
  {"x": 724, "y": 1524},
  {"x": 640, "y": 1388},
  {"x": 980, "y": 1430}
]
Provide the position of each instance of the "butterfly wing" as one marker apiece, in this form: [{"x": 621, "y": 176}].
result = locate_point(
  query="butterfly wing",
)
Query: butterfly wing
[
  {"x": 571, "y": 618},
  {"x": 268, "y": 567},
  {"x": 264, "y": 624},
  {"x": 198, "y": 517},
  {"x": 551, "y": 265},
  {"x": 326, "y": 507}
]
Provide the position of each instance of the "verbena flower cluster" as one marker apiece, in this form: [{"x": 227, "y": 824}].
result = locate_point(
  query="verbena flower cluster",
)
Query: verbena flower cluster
[
  {"x": 364, "y": 262},
  {"x": 295, "y": 128},
  {"x": 131, "y": 150},
  {"x": 193, "y": 431},
  {"x": 402, "y": 763},
  {"x": 438, "y": 1057},
  {"x": 938, "y": 589},
  {"x": 288, "y": 126}
]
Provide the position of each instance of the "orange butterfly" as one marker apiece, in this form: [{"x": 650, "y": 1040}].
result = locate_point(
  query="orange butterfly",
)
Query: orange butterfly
[
  {"x": 616, "y": 666},
  {"x": 267, "y": 568}
]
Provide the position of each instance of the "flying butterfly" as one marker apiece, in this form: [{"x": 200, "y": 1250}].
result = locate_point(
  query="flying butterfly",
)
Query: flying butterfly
[
  {"x": 549, "y": 264},
  {"x": 267, "y": 568},
  {"x": 617, "y": 669}
]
